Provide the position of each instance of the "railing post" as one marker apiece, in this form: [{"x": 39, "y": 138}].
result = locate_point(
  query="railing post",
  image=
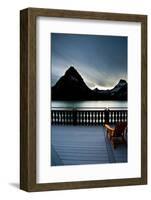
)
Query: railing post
[
  {"x": 106, "y": 116},
  {"x": 74, "y": 117}
]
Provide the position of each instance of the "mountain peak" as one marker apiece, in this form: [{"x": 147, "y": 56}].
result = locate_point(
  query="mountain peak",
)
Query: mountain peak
[
  {"x": 122, "y": 81},
  {"x": 71, "y": 86},
  {"x": 71, "y": 70},
  {"x": 121, "y": 86},
  {"x": 73, "y": 74}
]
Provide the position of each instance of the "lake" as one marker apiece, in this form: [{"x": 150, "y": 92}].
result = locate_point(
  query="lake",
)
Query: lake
[{"x": 88, "y": 104}]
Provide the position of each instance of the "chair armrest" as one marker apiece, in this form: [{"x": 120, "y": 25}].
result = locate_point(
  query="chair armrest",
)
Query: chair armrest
[
  {"x": 110, "y": 130},
  {"x": 109, "y": 127}
]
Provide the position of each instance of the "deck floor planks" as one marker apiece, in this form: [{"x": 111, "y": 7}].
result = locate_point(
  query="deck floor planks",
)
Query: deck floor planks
[{"x": 84, "y": 145}]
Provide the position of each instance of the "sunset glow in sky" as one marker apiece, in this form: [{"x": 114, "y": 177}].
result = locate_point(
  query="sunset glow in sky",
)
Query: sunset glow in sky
[{"x": 100, "y": 60}]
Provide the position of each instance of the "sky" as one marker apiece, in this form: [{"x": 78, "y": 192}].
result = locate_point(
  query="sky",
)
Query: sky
[{"x": 100, "y": 60}]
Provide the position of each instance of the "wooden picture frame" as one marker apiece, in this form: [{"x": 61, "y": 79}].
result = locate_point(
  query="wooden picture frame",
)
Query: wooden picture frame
[{"x": 28, "y": 98}]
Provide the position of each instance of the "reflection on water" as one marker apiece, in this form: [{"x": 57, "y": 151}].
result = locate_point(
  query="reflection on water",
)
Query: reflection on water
[{"x": 88, "y": 104}]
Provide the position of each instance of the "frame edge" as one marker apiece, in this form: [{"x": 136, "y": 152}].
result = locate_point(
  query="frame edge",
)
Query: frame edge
[
  {"x": 27, "y": 101},
  {"x": 23, "y": 99},
  {"x": 144, "y": 100}
]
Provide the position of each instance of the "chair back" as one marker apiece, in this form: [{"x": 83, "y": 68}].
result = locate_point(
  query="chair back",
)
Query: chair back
[{"x": 119, "y": 129}]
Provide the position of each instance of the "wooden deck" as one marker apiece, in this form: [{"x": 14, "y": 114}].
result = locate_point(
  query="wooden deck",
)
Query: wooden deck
[{"x": 77, "y": 145}]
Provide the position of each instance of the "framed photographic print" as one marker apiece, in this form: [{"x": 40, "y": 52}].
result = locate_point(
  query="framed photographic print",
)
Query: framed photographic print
[{"x": 83, "y": 99}]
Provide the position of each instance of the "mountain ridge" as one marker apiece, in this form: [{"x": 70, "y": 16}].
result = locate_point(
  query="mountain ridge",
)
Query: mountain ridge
[{"x": 71, "y": 86}]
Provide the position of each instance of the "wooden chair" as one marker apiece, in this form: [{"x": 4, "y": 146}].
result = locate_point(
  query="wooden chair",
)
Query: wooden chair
[{"x": 119, "y": 131}]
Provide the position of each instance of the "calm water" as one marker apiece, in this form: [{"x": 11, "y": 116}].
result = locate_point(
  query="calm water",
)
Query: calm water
[{"x": 88, "y": 104}]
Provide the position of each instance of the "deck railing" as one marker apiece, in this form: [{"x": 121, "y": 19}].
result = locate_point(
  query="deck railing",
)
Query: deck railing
[{"x": 88, "y": 116}]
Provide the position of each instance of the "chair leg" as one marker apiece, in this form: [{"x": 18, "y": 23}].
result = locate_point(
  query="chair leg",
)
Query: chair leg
[
  {"x": 123, "y": 140},
  {"x": 108, "y": 134},
  {"x": 113, "y": 142}
]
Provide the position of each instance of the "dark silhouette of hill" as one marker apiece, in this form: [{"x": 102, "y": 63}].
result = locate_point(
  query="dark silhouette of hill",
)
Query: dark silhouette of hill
[{"x": 71, "y": 86}]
